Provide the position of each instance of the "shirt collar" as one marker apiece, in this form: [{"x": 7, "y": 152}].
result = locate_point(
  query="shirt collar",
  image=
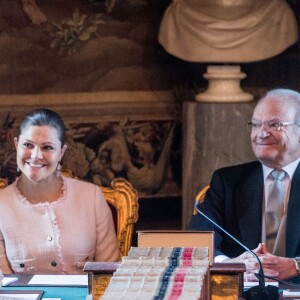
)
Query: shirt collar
[{"x": 289, "y": 169}]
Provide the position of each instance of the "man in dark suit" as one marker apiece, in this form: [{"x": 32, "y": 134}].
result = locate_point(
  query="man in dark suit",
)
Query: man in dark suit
[{"x": 238, "y": 195}]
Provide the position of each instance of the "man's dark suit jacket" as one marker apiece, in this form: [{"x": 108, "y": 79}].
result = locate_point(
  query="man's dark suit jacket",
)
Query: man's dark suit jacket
[{"x": 235, "y": 201}]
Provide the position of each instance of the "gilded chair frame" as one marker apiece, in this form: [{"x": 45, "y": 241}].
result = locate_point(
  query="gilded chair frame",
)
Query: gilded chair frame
[
  {"x": 200, "y": 197},
  {"x": 3, "y": 183},
  {"x": 124, "y": 198}
]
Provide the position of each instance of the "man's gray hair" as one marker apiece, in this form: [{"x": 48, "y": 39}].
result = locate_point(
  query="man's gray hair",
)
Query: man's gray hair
[{"x": 287, "y": 94}]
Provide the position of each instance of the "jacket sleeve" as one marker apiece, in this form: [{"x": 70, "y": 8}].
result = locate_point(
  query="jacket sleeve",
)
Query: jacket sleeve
[{"x": 106, "y": 242}]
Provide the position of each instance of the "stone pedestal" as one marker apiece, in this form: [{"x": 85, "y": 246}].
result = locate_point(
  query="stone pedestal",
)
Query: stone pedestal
[
  {"x": 214, "y": 135},
  {"x": 224, "y": 85}
]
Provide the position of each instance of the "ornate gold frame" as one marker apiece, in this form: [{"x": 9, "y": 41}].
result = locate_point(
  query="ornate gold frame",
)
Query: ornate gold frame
[{"x": 124, "y": 198}]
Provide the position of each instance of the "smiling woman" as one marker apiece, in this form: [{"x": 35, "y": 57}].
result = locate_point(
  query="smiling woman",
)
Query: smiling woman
[
  {"x": 40, "y": 206},
  {"x": 40, "y": 148}
]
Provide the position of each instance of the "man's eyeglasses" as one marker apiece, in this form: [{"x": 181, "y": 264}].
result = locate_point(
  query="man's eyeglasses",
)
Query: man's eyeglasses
[{"x": 270, "y": 125}]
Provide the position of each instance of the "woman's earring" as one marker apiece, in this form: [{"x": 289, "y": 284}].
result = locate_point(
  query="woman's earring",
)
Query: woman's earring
[
  {"x": 58, "y": 168},
  {"x": 18, "y": 170}
]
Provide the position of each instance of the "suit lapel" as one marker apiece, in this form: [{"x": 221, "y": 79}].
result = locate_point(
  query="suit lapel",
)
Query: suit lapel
[
  {"x": 248, "y": 203},
  {"x": 293, "y": 217}
]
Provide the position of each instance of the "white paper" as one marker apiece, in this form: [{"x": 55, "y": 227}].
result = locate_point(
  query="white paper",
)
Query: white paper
[
  {"x": 76, "y": 280},
  {"x": 8, "y": 280},
  {"x": 291, "y": 293},
  {"x": 19, "y": 296}
]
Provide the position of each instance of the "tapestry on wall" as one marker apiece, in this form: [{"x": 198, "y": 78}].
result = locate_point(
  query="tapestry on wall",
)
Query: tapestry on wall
[
  {"x": 62, "y": 46},
  {"x": 100, "y": 152}
]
